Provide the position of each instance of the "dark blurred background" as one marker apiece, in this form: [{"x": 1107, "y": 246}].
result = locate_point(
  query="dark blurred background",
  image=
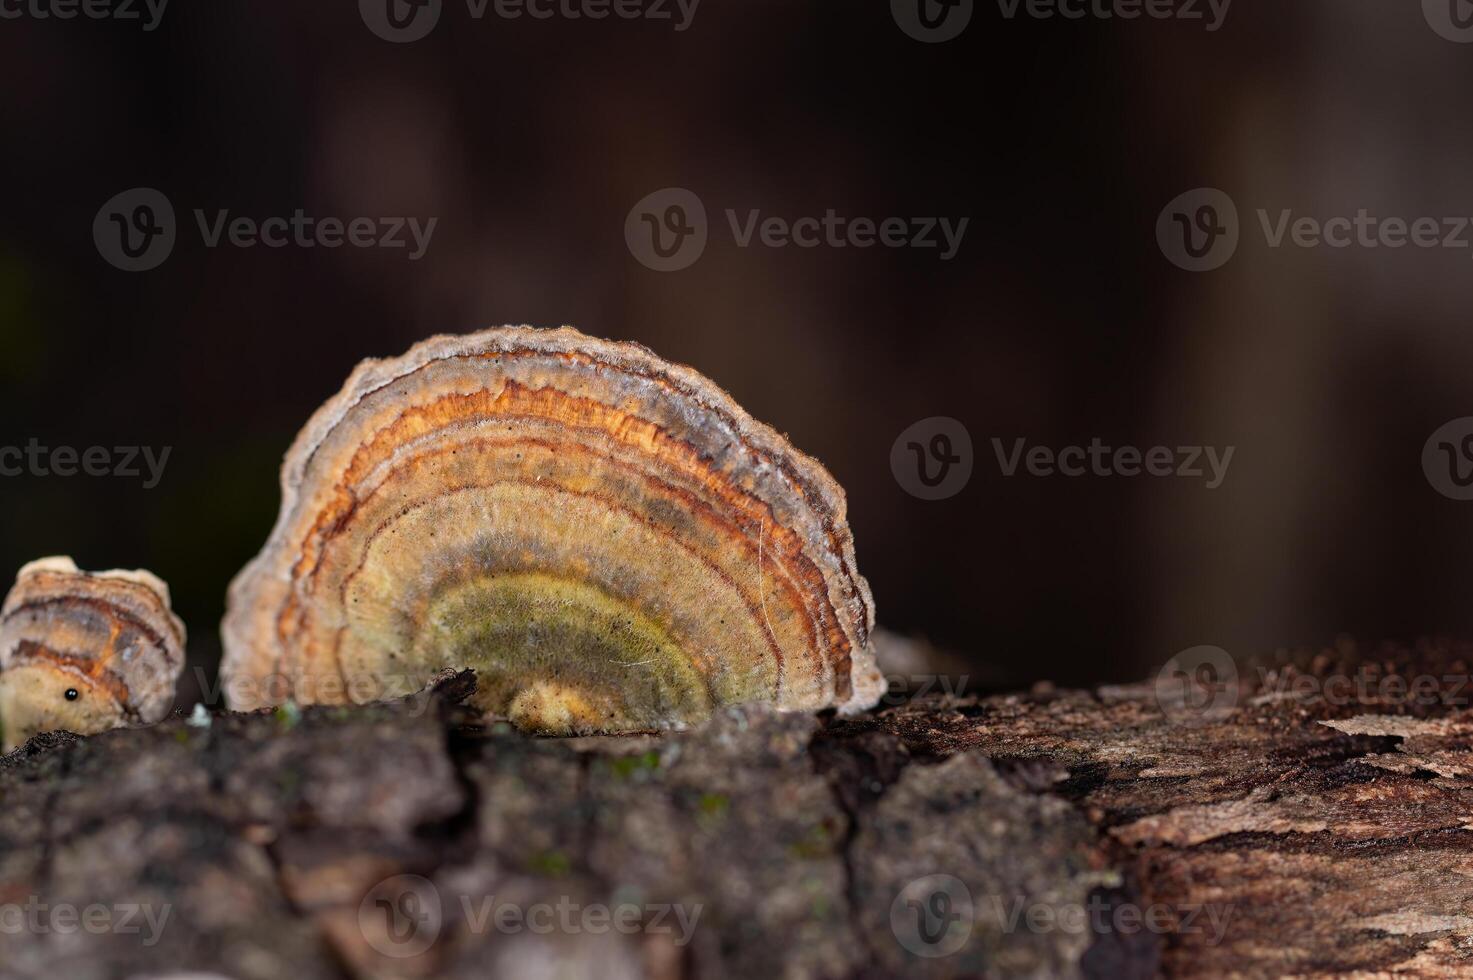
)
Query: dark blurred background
[{"x": 1058, "y": 321}]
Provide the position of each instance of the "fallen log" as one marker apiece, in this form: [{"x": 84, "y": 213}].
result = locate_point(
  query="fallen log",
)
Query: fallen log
[{"x": 1296, "y": 831}]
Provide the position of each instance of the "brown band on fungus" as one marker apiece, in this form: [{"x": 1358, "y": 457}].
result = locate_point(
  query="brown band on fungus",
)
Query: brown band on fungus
[
  {"x": 83, "y": 664},
  {"x": 107, "y": 610}
]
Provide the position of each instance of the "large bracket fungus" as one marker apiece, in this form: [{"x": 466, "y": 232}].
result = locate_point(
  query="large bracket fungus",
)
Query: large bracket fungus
[{"x": 607, "y": 539}]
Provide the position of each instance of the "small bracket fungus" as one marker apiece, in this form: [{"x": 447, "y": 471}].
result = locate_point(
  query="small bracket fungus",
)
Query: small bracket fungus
[
  {"x": 607, "y": 539},
  {"x": 85, "y": 652}
]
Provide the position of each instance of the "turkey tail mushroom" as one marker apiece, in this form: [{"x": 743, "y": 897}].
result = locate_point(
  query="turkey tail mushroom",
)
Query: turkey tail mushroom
[{"x": 606, "y": 538}]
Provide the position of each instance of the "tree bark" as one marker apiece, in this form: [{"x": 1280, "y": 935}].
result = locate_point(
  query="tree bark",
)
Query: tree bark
[{"x": 1311, "y": 828}]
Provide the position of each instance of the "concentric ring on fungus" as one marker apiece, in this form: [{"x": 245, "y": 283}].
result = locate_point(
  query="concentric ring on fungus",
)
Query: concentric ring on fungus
[{"x": 607, "y": 539}]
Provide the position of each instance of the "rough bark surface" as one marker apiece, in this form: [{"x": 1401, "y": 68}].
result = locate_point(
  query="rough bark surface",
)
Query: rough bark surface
[{"x": 1303, "y": 832}]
